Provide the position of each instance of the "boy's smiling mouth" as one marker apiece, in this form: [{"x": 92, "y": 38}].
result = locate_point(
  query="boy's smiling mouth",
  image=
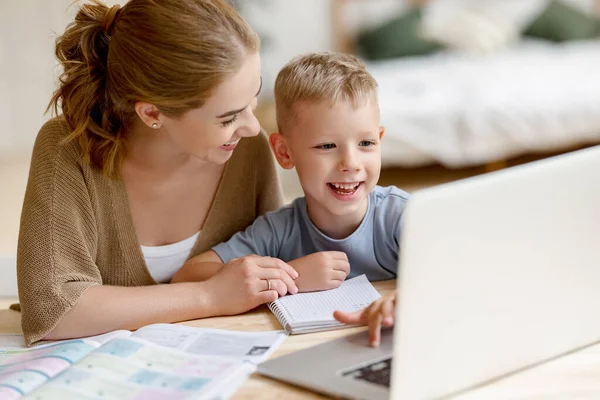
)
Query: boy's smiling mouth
[{"x": 344, "y": 188}]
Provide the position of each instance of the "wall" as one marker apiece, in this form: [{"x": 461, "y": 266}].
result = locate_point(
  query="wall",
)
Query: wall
[
  {"x": 27, "y": 67},
  {"x": 291, "y": 28}
]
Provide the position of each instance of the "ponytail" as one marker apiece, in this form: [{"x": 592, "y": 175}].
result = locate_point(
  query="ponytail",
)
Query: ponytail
[{"x": 83, "y": 52}]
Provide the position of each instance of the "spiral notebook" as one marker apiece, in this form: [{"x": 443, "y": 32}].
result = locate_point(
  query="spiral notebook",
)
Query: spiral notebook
[{"x": 313, "y": 312}]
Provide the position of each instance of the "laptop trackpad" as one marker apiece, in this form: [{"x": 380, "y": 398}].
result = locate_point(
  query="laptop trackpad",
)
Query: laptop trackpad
[
  {"x": 377, "y": 372},
  {"x": 373, "y": 370}
]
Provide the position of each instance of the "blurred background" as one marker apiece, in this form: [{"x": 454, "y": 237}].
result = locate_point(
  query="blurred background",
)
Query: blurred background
[{"x": 466, "y": 86}]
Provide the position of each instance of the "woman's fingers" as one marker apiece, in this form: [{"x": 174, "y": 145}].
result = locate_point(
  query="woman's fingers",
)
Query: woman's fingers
[
  {"x": 274, "y": 275},
  {"x": 272, "y": 262},
  {"x": 264, "y": 297},
  {"x": 275, "y": 284}
]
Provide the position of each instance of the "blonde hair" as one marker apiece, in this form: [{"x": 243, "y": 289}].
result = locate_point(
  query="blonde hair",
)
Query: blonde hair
[
  {"x": 321, "y": 76},
  {"x": 170, "y": 53}
]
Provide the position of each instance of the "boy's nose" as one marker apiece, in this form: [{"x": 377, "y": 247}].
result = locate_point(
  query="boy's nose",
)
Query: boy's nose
[{"x": 349, "y": 163}]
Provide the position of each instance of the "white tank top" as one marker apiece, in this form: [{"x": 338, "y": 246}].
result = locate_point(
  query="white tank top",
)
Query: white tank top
[{"x": 164, "y": 261}]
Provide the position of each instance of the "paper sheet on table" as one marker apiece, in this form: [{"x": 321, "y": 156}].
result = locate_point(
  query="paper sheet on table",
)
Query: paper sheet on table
[
  {"x": 132, "y": 368},
  {"x": 12, "y": 341},
  {"x": 24, "y": 369},
  {"x": 253, "y": 347}
]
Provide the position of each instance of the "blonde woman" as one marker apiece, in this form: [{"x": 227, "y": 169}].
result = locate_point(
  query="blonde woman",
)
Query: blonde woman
[{"x": 156, "y": 157}]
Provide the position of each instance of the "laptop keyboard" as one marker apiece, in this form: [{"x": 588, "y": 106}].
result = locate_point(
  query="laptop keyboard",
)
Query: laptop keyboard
[{"x": 378, "y": 372}]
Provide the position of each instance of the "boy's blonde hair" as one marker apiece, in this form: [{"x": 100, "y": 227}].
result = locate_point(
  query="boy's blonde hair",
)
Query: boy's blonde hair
[{"x": 321, "y": 76}]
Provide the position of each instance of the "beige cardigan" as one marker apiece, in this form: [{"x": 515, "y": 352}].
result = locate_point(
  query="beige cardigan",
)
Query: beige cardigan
[{"x": 77, "y": 230}]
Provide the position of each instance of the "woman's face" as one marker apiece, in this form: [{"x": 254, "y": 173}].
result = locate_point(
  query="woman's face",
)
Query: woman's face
[{"x": 212, "y": 131}]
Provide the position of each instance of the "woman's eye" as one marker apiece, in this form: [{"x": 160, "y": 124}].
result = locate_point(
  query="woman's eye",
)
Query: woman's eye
[
  {"x": 367, "y": 143},
  {"x": 326, "y": 146},
  {"x": 229, "y": 121}
]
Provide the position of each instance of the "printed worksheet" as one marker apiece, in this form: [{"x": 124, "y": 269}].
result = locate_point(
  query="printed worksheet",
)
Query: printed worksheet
[
  {"x": 253, "y": 347},
  {"x": 23, "y": 370},
  {"x": 132, "y": 368},
  {"x": 169, "y": 361}
]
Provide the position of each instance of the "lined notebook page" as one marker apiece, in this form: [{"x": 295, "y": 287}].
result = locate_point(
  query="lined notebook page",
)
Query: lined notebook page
[{"x": 353, "y": 294}]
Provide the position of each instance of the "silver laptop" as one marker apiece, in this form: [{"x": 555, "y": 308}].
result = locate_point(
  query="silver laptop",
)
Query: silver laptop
[{"x": 498, "y": 273}]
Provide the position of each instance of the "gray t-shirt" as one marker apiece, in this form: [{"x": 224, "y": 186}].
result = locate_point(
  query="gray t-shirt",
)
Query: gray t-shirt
[{"x": 288, "y": 233}]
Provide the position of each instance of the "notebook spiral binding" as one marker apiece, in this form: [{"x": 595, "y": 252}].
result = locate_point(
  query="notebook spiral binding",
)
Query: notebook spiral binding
[{"x": 280, "y": 312}]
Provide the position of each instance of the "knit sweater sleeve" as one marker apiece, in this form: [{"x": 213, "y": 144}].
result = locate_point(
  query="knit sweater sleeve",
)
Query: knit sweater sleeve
[{"x": 58, "y": 235}]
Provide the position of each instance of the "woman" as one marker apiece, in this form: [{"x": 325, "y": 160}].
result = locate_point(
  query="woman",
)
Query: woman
[{"x": 156, "y": 157}]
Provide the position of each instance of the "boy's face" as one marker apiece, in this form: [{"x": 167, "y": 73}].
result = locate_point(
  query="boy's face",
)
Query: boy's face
[{"x": 337, "y": 154}]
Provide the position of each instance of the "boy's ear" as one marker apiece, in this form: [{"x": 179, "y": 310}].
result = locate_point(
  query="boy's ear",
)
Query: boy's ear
[
  {"x": 381, "y": 132},
  {"x": 280, "y": 149}
]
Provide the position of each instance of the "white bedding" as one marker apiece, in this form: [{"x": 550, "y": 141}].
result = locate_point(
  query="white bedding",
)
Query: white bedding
[{"x": 462, "y": 110}]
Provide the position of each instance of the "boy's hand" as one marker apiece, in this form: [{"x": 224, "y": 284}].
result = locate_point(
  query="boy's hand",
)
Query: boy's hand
[
  {"x": 379, "y": 313},
  {"x": 321, "y": 271}
]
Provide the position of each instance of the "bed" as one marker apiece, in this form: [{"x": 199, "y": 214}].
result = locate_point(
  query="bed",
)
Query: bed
[{"x": 461, "y": 110}]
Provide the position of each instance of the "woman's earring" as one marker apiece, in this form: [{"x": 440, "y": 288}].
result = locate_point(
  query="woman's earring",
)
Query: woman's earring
[{"x": 155, "y": 125}]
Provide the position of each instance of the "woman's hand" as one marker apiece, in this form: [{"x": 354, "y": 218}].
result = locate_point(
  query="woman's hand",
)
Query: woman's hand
[
  {"x": 245, "y": 283},
  {"x": 379, "y": 313},
  {"x": 321, "y": 271}
]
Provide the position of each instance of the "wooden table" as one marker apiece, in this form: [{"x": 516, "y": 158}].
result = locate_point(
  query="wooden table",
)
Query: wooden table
[{"x": 576, "y": 376}]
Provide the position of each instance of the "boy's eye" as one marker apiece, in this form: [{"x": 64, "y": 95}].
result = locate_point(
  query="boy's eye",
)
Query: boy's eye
[
  {"x": 367, "y": 143},
  {"x": 229, "y": 121},
  {"x": 326, "y": 146}
]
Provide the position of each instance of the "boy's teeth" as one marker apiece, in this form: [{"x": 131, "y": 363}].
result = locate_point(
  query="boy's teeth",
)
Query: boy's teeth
[{"x": 347, "y": 186}]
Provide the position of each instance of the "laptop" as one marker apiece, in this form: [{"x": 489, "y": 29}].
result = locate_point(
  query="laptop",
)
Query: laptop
[{"x": 498, "y": 273}]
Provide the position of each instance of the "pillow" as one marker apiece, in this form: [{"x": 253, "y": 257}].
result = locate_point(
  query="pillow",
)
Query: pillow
[
  {"x": 560, "y": 22},
  {"x": 396, "y": 38},
  {"x": 469, "y": 28}
]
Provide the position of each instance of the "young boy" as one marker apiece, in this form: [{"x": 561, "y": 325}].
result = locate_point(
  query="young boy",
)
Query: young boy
[{"x": 328, "y": 121}]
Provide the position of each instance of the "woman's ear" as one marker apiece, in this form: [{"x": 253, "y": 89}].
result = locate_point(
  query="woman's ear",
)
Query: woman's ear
[
  {"x": 149, "y": 114},
  {"x": 280, "y": 149}
]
